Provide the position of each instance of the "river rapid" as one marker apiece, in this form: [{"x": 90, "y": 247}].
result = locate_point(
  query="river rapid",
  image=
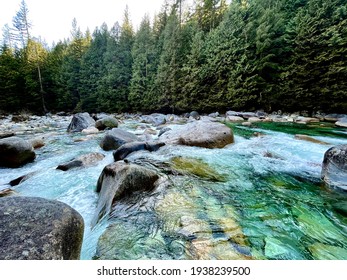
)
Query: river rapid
[{"x": 271, "y": 203}]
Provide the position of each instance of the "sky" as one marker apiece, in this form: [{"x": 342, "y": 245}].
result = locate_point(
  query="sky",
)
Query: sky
[{"x": 52, "y": 19}]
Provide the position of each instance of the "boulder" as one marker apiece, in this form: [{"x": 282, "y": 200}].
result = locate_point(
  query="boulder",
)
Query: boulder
[
  {"x": 334, "y": 168},
  {"x": 39, "y": 229},
  {"x": 22, "y": 178},
  {"x": 306, "y": 120},
  {"x": 15, "y": 152},
  {"x": 123, "y": 151},
  {"x": 116, "y": 138},
  {"x": 154, "y": 119},
  {"x": 119, "y": 180},
  {"x": 194, "y": 115},
  {"x": 163, "y": 130},
  {"x": 254, "y": 119},
  {"x": 80, "y": 121},
  {"x": 6, "y": 192},
  {"x": 235, "y": 119},
  {"x": 37, "y": 143},
  {"x": 247, "y": 115},
  {"x": 342, "y": 122},
  {"x": 90, "y": 130},
  {"x": 334, "y": 117},
  {"x": 107, "y": 122},
  {"x": 201, "y": 134},
  {"x": 82, "y": 161},
  {"x": 214, "y": 115}
]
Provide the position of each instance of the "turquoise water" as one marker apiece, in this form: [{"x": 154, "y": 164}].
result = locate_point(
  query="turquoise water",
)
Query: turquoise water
[{"x": 272, "y": 205}]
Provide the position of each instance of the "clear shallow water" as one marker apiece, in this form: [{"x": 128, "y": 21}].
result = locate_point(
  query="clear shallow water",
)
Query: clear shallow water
[{"x": 272, "y": 205}]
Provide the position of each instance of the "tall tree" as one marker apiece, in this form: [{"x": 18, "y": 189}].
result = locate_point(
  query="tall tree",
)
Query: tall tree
[{"x": 22, "y": 25}]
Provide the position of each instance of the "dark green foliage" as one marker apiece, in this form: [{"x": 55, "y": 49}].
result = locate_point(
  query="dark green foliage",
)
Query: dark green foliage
[{"x": 250, "y": 54}]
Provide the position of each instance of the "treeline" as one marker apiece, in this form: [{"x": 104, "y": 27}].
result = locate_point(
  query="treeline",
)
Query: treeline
[{"x": 246, "y": 55}]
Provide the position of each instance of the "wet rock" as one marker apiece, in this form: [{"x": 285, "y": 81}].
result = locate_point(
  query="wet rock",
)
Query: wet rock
[
  {"x": 106, "y": 122},
  {"x": 254, "y": 119},
  {"x": 214, "y": 115},
  {"x": 6, "y": 134},
  {"x": 334, "y": 117},
  {"x": 309, "y": 139},
  {"x": 342, "y": 122},
  {"x": 39, "y": 229},
  {"x": 201, "y": 134},
  {"x": 21, "y": 179},
  {"x": 247, "y": 115},
  {"x": 163, "y": 130},
  {"x": 37, "y": 143},
  {"x": 235, "y": 119},
  {"x": 281, "y": 249},
  {"x": 6, "y": 192},
  {"x": 82, "y": 161},
  {"x": 119, "y": 180},
  {"x": 90, "y": 130},
  {"x": 15, "y": 152},
  {"x": 123, "y": 151},
  {"x": 232, "y": 113},
  {"x": 20, "y": 118},
  {"x": 116, "y": 138},
  {"x": 195, "y": 115},
  {"x": 334, "y": 168},
  {"x": 80, "y": 121},
  {"x": 306, "y": 120},
  {"x": 154, "y": 119}
]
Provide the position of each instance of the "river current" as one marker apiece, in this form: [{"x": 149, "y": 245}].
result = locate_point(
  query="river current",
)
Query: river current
[{"x": 271, "y": 203}]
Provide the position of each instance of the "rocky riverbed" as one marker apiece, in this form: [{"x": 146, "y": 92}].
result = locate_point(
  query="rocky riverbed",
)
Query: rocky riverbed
[{"x": 241, "y": 185}]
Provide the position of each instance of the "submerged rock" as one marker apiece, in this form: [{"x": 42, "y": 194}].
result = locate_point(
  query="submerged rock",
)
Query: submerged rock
[
  {"x": 123, "y": 151},
  {"x": 118, "y": 180},
  {"x": 198, "y": 168},
  {"x": 39, "y": 229},
  {"x": 80, "y": 121},
  {"x": 334, "y": 168},
  {"x": 322, "y": 251},
  {"x": 82, "y": 161},
  {"x": 309, "y": 139},
  {"x": 201, "y": 134},
  {"x": 15, "y": 152},
  {"x": 116, "y": 138}
]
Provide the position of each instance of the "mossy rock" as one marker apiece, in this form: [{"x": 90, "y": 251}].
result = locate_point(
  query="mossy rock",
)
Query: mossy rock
[{"x": 198, "y": 168}]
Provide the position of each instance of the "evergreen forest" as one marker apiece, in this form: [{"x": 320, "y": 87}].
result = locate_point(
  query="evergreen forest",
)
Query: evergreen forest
[{"x": 287, "y": 55}]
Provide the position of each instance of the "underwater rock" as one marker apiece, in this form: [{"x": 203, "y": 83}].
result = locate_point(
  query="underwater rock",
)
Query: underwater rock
[
  {"x": 309, "y": 139},
  {"x": 15, "y": 152},
  {"x": 123, "y": 151},
  {"x": 334, "y": 168},
  {"x": 196, "y": 167},
  {"x": 80, "y": 121},
  {"x": 204, "y": 134},
  {"x": 118, "y": 180},
  {"x": 116, "y": 138},
  {"x": 82, "y": 161},
  {"x": 278, "y": 249},
  {"x": 39, "y": 229},
  {"x": 322, "y": 251}
]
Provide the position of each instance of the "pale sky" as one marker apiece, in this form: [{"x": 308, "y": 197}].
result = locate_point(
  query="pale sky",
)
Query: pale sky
[{"x": 52, "y": 19}]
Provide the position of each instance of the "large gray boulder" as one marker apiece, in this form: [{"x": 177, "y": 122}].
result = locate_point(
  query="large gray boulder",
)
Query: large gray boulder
[
  {"x": 342, "y": 122},
  {"x": 155, "y": 119},
  {"x": 334, "y": 168},
  {"x": 80, "y": 121},
  {"x": 39, "y": 229},
  {"x": 116, "y": 138},
  {"x": 119, "y": 180},
  {"x": 205, "y": 134},
  {"x": 15, "y": 152}
]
